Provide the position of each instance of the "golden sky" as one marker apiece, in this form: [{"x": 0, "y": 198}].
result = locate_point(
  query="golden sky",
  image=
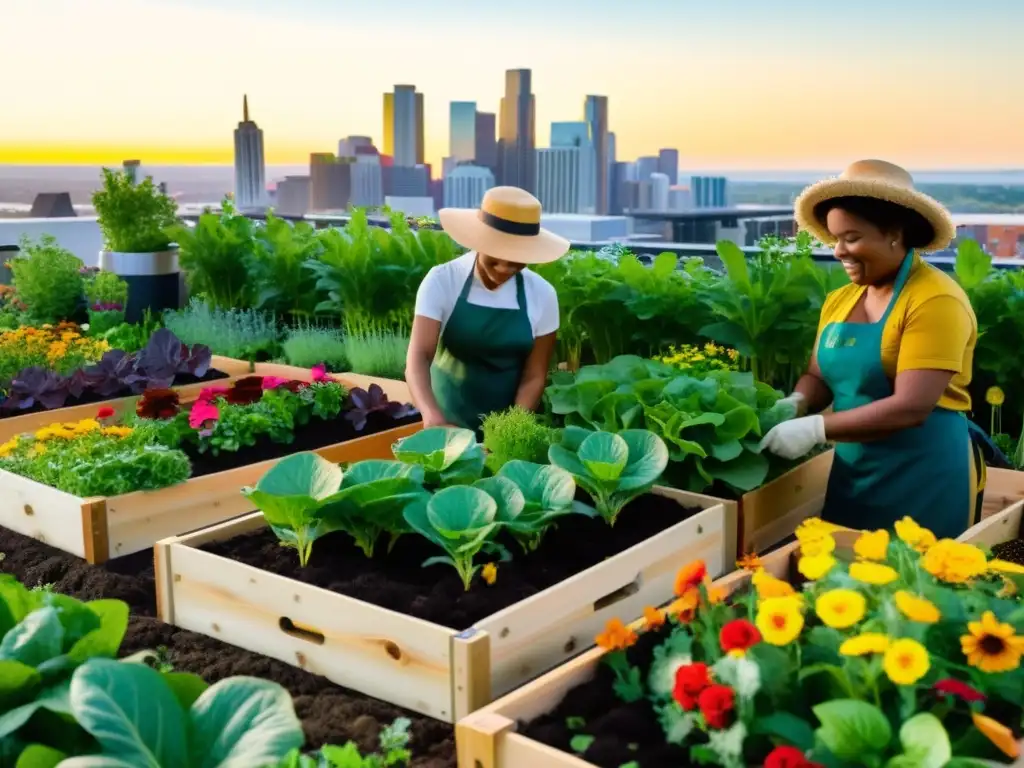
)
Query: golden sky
[{"x": 731, "y": 84}]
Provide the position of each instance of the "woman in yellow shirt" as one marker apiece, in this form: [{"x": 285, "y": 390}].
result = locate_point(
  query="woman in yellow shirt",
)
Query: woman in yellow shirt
[{"x": 893, "y": 358}]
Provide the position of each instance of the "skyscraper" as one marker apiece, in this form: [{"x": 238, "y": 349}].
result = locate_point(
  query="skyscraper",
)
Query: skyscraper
[
  {"x": 659, "y": 191},
  {"x": 403, "y": 125},
  {"x": 486, "y": 151},
  {"x": 349, "y": 146},
  {"x": 330, "y": 186},
  {"x": 250, "y": 169},
  {"x": 558, "y": 179},
  {"x": 709, "y": 191},
  {"x": 596, "y": 114},
  {"x": 668, "y": 163},
  {"x": 577, "y": 136},
  {"x": 645, "y": 166},
  {"x": 517, "y": 132},
  {"x": 462, "y": 131},
  {"x": 465, "y": 186}
]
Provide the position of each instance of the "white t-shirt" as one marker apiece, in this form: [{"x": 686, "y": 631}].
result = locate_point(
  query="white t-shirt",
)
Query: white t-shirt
[{"x": 440, "y": 290}]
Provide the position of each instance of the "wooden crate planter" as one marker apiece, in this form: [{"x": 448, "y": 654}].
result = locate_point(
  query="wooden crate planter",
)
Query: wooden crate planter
[
  {"x": 101, "y": 528},
  {"x": 1003, "y": 489},
  {"x": 31, "y": 422},
  {"x": 419, "y": 665}
]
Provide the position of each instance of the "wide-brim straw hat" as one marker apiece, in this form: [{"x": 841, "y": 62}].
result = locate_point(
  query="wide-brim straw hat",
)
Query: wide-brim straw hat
[
  {"x": 882, "y": 181},
  {"x": 505, "y": 226}
]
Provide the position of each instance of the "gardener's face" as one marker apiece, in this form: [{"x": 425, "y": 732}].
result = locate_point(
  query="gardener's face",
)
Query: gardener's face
[
  {"x": 865, "y": 251},
  {"x": 494, "y": 272}
]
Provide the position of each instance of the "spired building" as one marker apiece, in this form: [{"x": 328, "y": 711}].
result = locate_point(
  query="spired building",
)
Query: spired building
[
  {"x": 250, "y": 169},
  {"x": 517, "y": 132}
]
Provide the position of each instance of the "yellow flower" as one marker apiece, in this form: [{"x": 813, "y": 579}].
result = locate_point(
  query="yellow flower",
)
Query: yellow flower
[
  {"x": 815, "y": 566},
  {"x": 875, "y": 574},
  {"x": 863, "y": 644},
  {"x": 815, "y": 547},
  {"x": 1001, "y": 736},
  {"x": 906, "y": 661},
  {"x": 489, "y": 573},
  {"x": 912, "y": 534},
  {"x": 779, "y": 620},
  {"x": 991, "y": 645},
  {"x": 768, "y": 586},
  {"x": 815, "y": 528},
  {"x": 85, "y": 426},
  {"x": 995, "y": 396},
  {"x": 38, "y": 449},
  {"x": 9, "y": 447},
  {"x": 917, "y": 608},
  {"x": 954, "y": 562},
  {"x": 872, "y": 545},
  {"x": 116, "y": 431},
  {"x": 840, "y": 608},
  {"x": 1004, "y": 566}
]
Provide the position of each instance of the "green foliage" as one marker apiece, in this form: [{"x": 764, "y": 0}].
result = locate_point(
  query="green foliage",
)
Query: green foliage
[
  {"x": 378, "y": 353},
  {"x": 133, "y": 217},
  {"x": 309, "y": 345},
  {"x": 130, "y": 337},
  {"x": 549, "y": 494},
  {"x": 394, "y": 751},
  {"x": 48, "y": 280},
  {"x": 613, "y": 468},
  {"x": 278, "y": 267},
  {"x": 106, "y": 288},
  {"x": 244, "y": 334},
  {"x": 515, "y": 434},
  {"x": 448, "y": 455}
]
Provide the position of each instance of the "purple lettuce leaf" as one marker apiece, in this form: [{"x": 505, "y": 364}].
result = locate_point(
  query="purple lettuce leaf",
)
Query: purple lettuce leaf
[
  {"x": 364, "y": 402},
  {"x": 114, "y": 374},
  {"x": 165, "y": 357},
  {"x": 36, "y": 385}
]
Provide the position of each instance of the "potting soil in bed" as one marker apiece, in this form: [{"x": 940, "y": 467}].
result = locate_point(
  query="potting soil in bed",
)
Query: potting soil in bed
[
  {"x": 1011, "y": 551},
  {"x": 397, "y": 581},
  {"x": 317, "y": 433},
  {"x": 329, "y": 714}
]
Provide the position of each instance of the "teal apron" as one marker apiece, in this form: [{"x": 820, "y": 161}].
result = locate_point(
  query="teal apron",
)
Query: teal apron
[
  {"x": 480, "y": 358},
  {"x": 933, "y": 473}
]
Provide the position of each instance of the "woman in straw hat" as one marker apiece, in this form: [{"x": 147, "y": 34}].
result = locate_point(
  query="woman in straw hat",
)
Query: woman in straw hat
[
  {"x": 893, "y": 358},
  {"x": 484, "y": 327}
]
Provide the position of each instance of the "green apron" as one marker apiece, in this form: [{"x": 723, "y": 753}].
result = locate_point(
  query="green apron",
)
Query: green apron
[
  {"x": 480, "y": 358},
  {"x": 932, "y": 473}
]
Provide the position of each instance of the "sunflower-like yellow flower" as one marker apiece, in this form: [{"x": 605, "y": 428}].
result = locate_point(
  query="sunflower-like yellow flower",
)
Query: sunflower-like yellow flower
[
  {"x": 768, "y": 586},
  {"x": 954, "y": 562},
  {"x": 872, "y": 545},
  {"x": 906, "y": 661},
  {"x": 864, "y": 644},
  {"x": 816, "y": 566},
  {"x": 875, "y": 574},
  {"x": 9, "y": 447},
  {"x": 991, "y": 645},
  {"x": 840, "y": 608},
  {"x": 116, "y": 431},
  {"x": 916, "y": 608},
  {"x": 912, "y": 534},
  {"x": 995, "y": 396},
  {"x": 779, "y": 620}
]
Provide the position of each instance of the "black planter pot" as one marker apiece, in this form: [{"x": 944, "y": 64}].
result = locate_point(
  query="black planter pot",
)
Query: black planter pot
[{"x": 154, "y": 280}]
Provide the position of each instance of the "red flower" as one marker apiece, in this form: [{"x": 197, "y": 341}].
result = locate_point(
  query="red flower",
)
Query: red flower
[
  {"x": 739, "y": 635},
  {"x": 951, "y": 687},
  {"x": 209, "y": 394},
  {"x": 691, "y": 679},
  {"x": 158, "y": 404},
  {"x": 246, "y": 391},
  {"x": 716, "y": 703},
  {"x": 690, "y": 576},
  {"x": 203, "y": 415},
  {"x": 104, "y": 413},
  {"x": 788, "y": 757}
]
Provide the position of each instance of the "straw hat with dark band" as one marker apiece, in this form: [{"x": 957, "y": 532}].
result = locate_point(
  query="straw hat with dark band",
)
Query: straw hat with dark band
[
  {"x": 506, "y": 226},
  {"x": 882, "y": 181}
]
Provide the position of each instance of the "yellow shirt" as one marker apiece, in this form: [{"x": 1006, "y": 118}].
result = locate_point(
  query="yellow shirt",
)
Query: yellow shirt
[{"x": 931, "y": 327}]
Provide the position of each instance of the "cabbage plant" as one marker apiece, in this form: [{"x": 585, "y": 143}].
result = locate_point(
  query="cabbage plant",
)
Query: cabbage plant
[
  {"x": 613, "y": 468},
  {"x": 549, "y": 494},
  {"x": 448, "y": 455}
]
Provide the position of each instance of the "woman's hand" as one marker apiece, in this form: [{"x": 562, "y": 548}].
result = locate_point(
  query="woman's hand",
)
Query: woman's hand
[
  {"x": 435, "y": 419},
  {"x": 796, "y": 438}
]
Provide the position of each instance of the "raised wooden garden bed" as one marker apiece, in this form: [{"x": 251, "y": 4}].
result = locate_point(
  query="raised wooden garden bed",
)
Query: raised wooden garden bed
[
  {"x": 1003, "y": 489},
  {"x": 1003, "y": 510},
  {"x": 102, "y": 528},
  {"x": 437, "y": 670},
  {"x": 30, "y": 422}
]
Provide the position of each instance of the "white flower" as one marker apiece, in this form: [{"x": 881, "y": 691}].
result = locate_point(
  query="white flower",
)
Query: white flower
[
  {"x": 662, "y": 677},
  {"x": 676, "y": 724},
  {"x": 728, "y": 744},
  {"x": 742, "y": 674}
]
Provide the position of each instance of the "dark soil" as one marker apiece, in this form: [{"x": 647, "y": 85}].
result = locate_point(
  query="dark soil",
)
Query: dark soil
[
  {"x": 329, "y": 714},
  {"x": 180, "y": 380},
  {"x": 396, "y": 581},
  {"x": 1010, "y": 551},
  {"x": 316, "y": 434}
]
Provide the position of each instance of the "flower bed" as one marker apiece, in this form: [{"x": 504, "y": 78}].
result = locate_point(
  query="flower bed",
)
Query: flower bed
[
  {"x": 440, "y": 642},
  {"x": 97, "y": 494},
  {"x": 901, "y": 652}
]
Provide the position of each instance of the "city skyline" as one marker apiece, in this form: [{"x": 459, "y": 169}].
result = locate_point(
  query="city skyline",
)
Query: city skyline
[{"x": 740, "y": 87}]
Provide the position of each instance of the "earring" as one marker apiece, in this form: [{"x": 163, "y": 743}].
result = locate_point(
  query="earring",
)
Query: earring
[{"x": 894, "y": 243}]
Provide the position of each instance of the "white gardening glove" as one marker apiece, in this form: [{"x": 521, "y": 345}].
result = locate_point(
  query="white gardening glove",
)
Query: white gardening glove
[
  {"x": 796, "y": 438},
  {"x": 798, "y": 401}
]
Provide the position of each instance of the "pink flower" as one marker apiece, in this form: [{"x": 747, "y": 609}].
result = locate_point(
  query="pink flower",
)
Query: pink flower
[
  {"x": 209, "y": 394},
  {"x": 203, "y": 415},
  {"x": 320, "y": 373},
  {"x": 273, "y": 382}
]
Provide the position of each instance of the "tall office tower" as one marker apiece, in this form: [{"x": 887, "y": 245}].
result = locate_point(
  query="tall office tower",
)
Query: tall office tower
[
  {"x": 133, "y": 170},
  {"x": 403, "y": 125},
  {"x": 330, "y": 182},
  {"x": 558, "y": 179},
  {"x": 596, "y": 114},
  {"x": 350, "y": 145},
  {"x": 668, "y": 163},
  {"x": 292, "y": 198},
  {"x": 578, "y": 136},
  {"x": 367, "y": 180},
  {"x": 612, "y": 157},
  {"x": 465, "y": 186},
  {"x": 709, "y": 191},
  {"x": 619, "y": 189},
  {"x": 250, "y": 169},
  {"x": 517, "y": 132},
  {"x": 486, "y": 152},
  {"x": 645, "y": 166},
  {"x": 659, "y": 192},
  {"x": 462, "y": 131}
]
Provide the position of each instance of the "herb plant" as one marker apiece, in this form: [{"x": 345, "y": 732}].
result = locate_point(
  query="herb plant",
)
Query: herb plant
[
  {"x": 243, "y": 334},
  {"x": 106, "y": 297},
  {"x": 133, "y": 216},
  {"x": 278, "y": 267},
  {"x": 48, "y": 280},
  {"x": 394, "y": 751},
  {"x": 309, "y": 345},
  {"x": 448, "y": 455},
  {"x": 515, "y": 434},
  {"x": 377, "y": 353},
  {"x": 613, "y": 468},
  {"x": 131, "y": 337}
]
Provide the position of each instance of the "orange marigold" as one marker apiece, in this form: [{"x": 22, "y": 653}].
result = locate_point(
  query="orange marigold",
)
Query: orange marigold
[
  {"x": 685, "y": 608},
  {"x": 616, "y": 636},
  {"x": 653, "y": 617},
  {"x": 749, "y": 562},
  {"x": 690, "y": 576}
]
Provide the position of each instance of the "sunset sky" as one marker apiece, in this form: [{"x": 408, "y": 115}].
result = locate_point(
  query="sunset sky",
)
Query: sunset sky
[{"x": 733, "y": 84}]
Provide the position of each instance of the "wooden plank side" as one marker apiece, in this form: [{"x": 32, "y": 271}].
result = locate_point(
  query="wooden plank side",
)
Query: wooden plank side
[
  {"x": 471, "y": 672},
  {"x": 1003, "y": 488},
  {"x": 772, "y": 512},
  {"x": 138, "y": 520},
  {"x": 542, "y": 631},
  {"x": 997, "y": 528},
  {"x": 378, "y": 652},
  {"x": 41, "y": 512}
]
